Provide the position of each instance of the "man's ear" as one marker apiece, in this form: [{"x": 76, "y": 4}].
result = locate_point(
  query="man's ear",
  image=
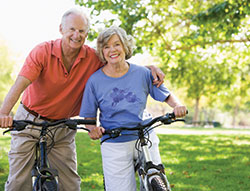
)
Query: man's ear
[{"x": 60, "y": 29}]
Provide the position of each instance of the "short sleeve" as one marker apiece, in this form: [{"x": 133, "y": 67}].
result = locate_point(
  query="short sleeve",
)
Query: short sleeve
[{"x": 34, "y": 63}]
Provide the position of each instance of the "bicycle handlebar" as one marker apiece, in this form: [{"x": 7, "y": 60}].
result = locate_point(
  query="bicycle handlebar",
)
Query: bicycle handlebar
[
  {"x": 19, "y": 125},
  {"x": 166, "y": 119}
]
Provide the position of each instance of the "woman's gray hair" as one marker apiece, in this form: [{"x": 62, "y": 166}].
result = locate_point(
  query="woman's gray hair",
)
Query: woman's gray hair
[
  {"x": 105, "y": 35},
  {"x": 76, "y": 11}
]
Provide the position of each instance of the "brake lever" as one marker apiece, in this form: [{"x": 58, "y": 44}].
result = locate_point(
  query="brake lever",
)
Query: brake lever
[
  {"x": 183, "y": 120},
  {"x": 6, "y": 131},
  {"x": 16, "y": 126},
  {"x": 168, "y": 119},
  {"x": 84, "y": 129},
  {"x": 113, "y": 133}
]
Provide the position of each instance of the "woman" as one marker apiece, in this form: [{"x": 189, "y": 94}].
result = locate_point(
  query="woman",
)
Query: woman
[{"x": 119, "y": 90}]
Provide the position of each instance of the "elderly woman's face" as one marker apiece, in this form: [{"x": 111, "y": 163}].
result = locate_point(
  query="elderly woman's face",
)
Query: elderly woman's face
[{"x": 113, "y": 51}]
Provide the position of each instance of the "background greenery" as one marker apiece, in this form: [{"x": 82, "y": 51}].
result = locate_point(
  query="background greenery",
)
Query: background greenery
[
  {"x": 202, "y": 45},
  {"x": 212, "y": 160},
  {"x": 6, "y": 68}
]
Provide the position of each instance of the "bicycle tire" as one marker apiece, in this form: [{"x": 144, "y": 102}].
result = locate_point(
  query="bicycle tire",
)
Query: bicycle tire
[
  {"x": 158, "y": 184},
  {"x": 49, "y": 185}
]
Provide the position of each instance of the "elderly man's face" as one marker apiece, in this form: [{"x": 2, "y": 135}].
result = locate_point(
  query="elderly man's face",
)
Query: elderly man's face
[{"x": 74, "y": 31}]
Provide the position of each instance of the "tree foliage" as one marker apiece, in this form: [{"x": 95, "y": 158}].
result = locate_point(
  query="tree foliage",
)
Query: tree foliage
[
  {"x": 6, "y": 68},
  {"x": 201, "y": 45},
  {"x": 174, "y": 25}
]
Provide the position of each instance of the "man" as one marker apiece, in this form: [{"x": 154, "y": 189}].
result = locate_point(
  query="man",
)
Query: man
[{"x": 52, "y": 81}]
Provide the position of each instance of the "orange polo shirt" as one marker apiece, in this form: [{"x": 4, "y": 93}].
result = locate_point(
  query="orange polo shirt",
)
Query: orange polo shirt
[{"x": 54, "y": 93}]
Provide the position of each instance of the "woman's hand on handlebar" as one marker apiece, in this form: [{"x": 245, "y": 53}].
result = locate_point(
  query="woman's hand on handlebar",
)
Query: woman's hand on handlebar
[
  {"x": 180, "y": 111},
  {"x": 5, "y": 121},
  {"x": 95, "y": 132}
]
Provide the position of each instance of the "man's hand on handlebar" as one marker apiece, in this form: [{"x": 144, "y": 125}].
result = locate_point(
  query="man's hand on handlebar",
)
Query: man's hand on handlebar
[{"x": 95, "y": 132}]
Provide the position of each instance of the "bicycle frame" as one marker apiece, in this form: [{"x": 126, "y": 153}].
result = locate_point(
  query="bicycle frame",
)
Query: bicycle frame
[{"x": 41, "y": 170}]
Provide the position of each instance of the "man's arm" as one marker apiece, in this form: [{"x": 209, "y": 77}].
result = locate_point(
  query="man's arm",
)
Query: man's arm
[
  {"x": 179, "y": 109},
  {"x": 10, "y": 100},
  {"x": 158, "y": 75}
]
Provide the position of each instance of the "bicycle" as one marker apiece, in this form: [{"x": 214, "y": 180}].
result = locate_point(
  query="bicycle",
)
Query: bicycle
[
  {"x": 44, "y": 178},
  {"x": 152, "y": 177}
]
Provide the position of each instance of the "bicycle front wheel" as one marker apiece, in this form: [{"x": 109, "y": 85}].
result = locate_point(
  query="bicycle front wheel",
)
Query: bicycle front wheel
[
  {"x": 157, "y": 184},
  {"x": 49, "y": 185}
]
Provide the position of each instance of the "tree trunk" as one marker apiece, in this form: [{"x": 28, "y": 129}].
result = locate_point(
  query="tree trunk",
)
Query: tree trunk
[
  {"x": 196, "y": 111},
  {"x": 235, "y": 112}
]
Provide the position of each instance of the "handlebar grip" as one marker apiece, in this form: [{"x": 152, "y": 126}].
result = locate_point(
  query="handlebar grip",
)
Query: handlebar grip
[
  {"x": 16, "y": 126},
  {"x": 170, "y": 118},
  {"x": 19, "y": 125},
  {"x": 106, "y": 132},
  {"x": 171, "y": 115}
]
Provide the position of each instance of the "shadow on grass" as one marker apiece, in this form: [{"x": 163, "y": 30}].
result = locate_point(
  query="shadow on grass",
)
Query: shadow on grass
[{"x": 202, "y": 162}]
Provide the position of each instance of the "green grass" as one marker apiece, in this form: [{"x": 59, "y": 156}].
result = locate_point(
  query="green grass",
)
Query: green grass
[
  {"x": 4, "y": 148},
  {"x": 193, "y": 162},
  {"x": 89, "y": 162},
  {"x": 207, "y": 162}
]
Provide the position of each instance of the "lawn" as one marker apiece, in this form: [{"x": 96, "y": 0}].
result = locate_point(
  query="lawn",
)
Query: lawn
[{"x": 216, "y": 162}]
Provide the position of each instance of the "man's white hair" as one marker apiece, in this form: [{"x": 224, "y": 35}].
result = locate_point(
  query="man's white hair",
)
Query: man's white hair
[{"x": 75, "y": 11}]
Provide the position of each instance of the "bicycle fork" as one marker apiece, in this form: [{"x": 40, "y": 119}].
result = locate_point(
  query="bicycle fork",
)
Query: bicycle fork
[
  {"x": 147, "y": 170},
  {"x": 41, "y": 170}
]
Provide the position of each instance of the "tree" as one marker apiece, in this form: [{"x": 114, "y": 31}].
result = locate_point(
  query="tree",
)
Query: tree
[
  {"x": 201, "y": 74},
  {"x": 6, "y": 68},
  {"x": 174, "y": 25},
  {"x": 182, "y": 34},
  {"x": 236, "y": 97}
]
